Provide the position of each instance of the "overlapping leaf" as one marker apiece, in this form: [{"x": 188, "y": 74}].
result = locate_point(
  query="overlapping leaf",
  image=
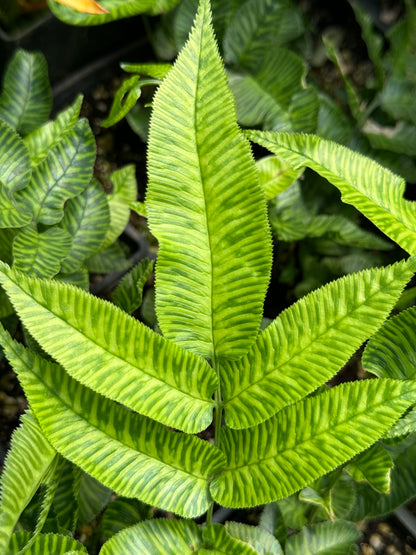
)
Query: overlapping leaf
[
  {"x": 28, "y": 460},
  {"x": 391, "y": 352},
  {"x": 117, "y": 9},
  {"x": 26, "y": 99},
  {"x": 373, "y": 466},
  {"x": 203, "y": 189},
  {"x": 372, "y": 189},
  {"x": 129, "y": 293},
  {"x": 325, "y": 538},
  {"x": 306, "y": 440},
  {"x": 125, "y": 451},
  {"x": 46, "y": 543},
  {"x": 309, "y": 342},
  {"x": 263, "y": 541},
  {"x": 86, "y": 219},
  {"x": 114, "y": 354},
  {"x": 275, "y": 176}
]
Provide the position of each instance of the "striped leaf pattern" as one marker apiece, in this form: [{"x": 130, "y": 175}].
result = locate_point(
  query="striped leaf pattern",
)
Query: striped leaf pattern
[
  {"x": 46, "y": 543},
  {"x": 86, "y": 220},
  {"x": 275, "y": 176},
  {"x": 372, "y": 189},
  {"x": 325, "y": 538},
  {"x": 391, "y": 352},
  {"x": 373, "y": 466},
  {"x": 117, "y": 9},
  {"x": 156, "y": 537},
  {"x": 129, "y": 293},
  {"x": 26, "y": 99},
  {"x": 260, "y": 25},
  {"x": 113, "y": 353},
  {"x": 63, "y": 174},
  {"x": 27, "y": 461},
  {"x": 125, "y": 451},
  {"x": 12, "y": 213},
  {"x": 124, "y": 192},
  {"x": 15, "y": 168},
  {"x": 217, "y": 540},
  {"x": 309, "y": 342},
  {"x": 307, "y": 440},
  {"x": 260, "y": 539},
  {"x": 123, "y": 512},
  {"x": 40, "y": 254},
  {"x": 204, "y": 190}
]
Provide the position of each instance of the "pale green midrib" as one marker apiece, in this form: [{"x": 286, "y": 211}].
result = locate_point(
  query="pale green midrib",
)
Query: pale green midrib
[
  {"x": 104, "y": 432},
  {"x": 187, "y": 394},
  {"x": 363, "y": 194},
  {"x": 27, "y": 94},
  {"x": 58, "y": 183},
  {"x": 197, "y": 84},
  {"x": 314, "y": 340},
  {"x": 318, "y": 436}
]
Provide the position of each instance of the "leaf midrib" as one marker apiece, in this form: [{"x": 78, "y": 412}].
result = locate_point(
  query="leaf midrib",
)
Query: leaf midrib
[{"x": 315, "y": 339}]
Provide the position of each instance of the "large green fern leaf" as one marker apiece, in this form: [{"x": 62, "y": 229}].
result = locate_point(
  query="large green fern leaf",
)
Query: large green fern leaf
[
  {"x": 114, "y": 354},
  {"x": 372, "y": 189},
  {"x": 307, "y": 440},
  {"x": 203, "y": 189},
  {"x": 309, "y": 342},
  {"x": 131, "y": 454}
]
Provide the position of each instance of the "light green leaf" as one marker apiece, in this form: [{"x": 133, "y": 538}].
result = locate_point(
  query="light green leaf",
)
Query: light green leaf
[
  {"x": 306, "y": 440},
  {"x": 12, "y": 213},
  {"x": 129, "y": 293},
  {"x": 275, "y": 176},
  {"x": 157, "y": 71},
  {"x": 125, "y": 98},
  {"x": 259, "y": 26},
  {"x": 86, "y": 219},
  {"x": 124, "y": 192},
  {"x": 44, "y": 138},
  {"x": 165, "y": 468},
  {"x": 156, "y": 537},
  {"x": 113, "y": 353},
  {"x": 217, "y": 540},
  {"x": 404, "y": 426},
  {"x": 118, "y": 9},
  {"x": 372, "y": 189},
  {"x": 15, "y": 168},
  {"x": 139, "y": 208},
  {"x": 27, "y": 461},
  {"x": 26, "y": 99},
  {"x": 374, "y": 466},
  {"x": 110, "y": 259},
  {"x": 262, "y": 541},
  {"x": 316, "y": 337},
  {"x": 63, "y": 174},
  {"x": 123, "y": 512},
  {"x": 325, "y": 538},
  {"x": 210, "y": 286},
  {"x": 40, "y": 254},
  {"x": 46, "y": 543},
  {"x": 391, "y": 352}
]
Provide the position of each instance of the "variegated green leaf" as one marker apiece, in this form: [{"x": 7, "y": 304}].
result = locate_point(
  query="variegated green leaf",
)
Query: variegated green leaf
[
  {"x": 15, "y": 168},
  {"x": 86, "y": 220},
  {"x": 129, "y": 293},
  {"x": 40, "y": 254},
  {"x": 216, "y": 540},
  {"x": 165, "y": 468},
  {"x": 12, "y": 213},
  {"x": 315, "y": 337},
  {"x": 62, "y": 174},
  {"x": 44, "y": 138},
  {"x": 259, "y": 26},
  {"x": 123, "y": 512},
  {"x": 307, "y": 440},
  {"x": 110, "y": 259},
  {"x": 275, "y": 176},
  {"x": 262, "y": 541},
  {"x": 372, "y": 189},
  {"x": 92, "y": 497},
  {"x": 64, "y": 502},
  {"x": 117, "y": 9},
  {"x": 373, "y": 466},
  {"x": 391, "y": 352},
  {"x": 113, "y": 353},
  {"x": 28, "y": 460},
  {"x": 80, "y": 278},
  {"x": 46, "y": 543},
  {"x": 156, "y": 537},
  {"x": 26, "y": 99},
  {"x": 124, "y": 192},
  {"x": 204, "y": 189},
  {"x": 157, "y": 71},
  {"x": 404, "y": 426},
  {"x": 325, "y": 538}
]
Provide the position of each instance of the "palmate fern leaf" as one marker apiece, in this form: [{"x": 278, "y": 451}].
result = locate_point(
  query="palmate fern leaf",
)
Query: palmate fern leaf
[
  {"x": 372, "y": 189},
  {"x": 307, "y": 440},
  {"x": 113, "y": 353},
  {"x": 309, "y": 342},
  {"x": 131, "y": 454},
  {"x": 203, "y": 188},
  {"x": 26, "y": 465}
]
